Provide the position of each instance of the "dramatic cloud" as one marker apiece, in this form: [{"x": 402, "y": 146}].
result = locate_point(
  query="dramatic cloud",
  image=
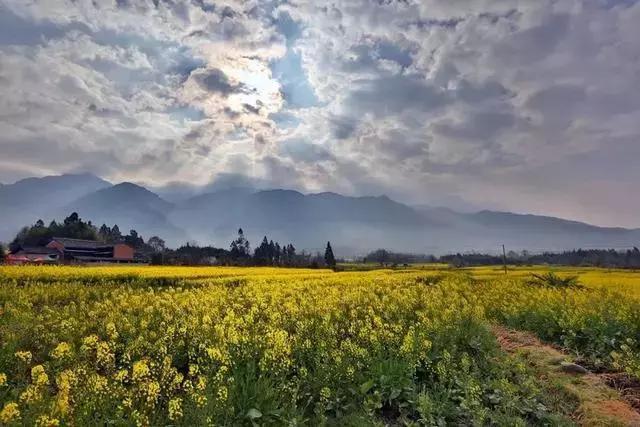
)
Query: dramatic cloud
[{"x": 522, "y": 105}]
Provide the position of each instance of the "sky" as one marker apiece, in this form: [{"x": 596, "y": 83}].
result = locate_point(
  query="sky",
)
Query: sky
[{"x": 520, "y": 105}]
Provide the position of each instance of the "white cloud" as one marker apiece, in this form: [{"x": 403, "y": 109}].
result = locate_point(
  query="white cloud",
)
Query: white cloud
[{"x": 425, "y": 100}]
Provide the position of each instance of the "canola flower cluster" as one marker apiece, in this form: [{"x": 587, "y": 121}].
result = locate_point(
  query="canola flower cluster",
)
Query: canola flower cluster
[{"x": 245, "y": 346}]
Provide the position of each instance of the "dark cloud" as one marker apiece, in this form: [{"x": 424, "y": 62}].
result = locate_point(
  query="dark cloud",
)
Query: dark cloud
[
  {"x": 343, "y": 127},
  {"x": 482, "y": 126},
  {"x": 215, "y": 80},
  {"x": 17, "y": 30},
  {"x": 423, "y": 100},
  {"x": 389, "y": 95},
  {"x": 479, "y": 92},
  {"x": 558, "y": 99},
  {"x": 536, "y": 43},
  {"x": 185, "y": 64},
  {"x": 251, "y": 109}
]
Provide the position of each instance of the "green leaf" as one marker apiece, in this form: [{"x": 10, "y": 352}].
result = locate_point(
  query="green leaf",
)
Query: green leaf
[
  {"x": 394, "y": 393},
  {"x": 253, "y": 413},
  {"x": 364, "y": 388}
]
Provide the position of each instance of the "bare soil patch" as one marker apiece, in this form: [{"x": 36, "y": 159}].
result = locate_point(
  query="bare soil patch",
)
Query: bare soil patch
[
  {"x": 602, "y": 398},
  {"x": 628, "y": 387}
]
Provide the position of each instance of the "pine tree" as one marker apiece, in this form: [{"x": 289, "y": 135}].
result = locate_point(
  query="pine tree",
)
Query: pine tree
[
  {"x": 277, "y": 254},
  {"x": 240, "y": 247},
  {"x": 134, "y": 240},
  {"x": 260, "y": 255},
  {"x": 116, "y": 235},
  {"x": 271, "y": 252},
  {"x": 329, "y": 259},
  {"x": 104, "y": 233}
]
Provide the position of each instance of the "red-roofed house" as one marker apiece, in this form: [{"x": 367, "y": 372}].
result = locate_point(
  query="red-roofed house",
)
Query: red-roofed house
[{"x": 77, "y": 250}]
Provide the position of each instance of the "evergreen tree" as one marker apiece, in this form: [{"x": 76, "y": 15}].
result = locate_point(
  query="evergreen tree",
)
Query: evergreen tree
[
  {"x": 288, "y": 255},
  {"x": 74, "y": 218},
  {"x": 261, "y": 254},
  {"x": 116, "y": 235},
  {"x": 329, "y": 259},
  {"x": 134, "y": 240},
  {"x": 240, "y": 248},
  {"x": 39, "y": 234},
  {"x": 277, "y": 254},
  {"x": 272, "y": 252},
  {"x": 104, "y": 233}
]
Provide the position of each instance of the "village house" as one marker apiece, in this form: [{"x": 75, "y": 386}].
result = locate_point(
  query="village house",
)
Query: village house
[
  {"x": 33, "y": 255},
  {"x": 66, "y": 250}
]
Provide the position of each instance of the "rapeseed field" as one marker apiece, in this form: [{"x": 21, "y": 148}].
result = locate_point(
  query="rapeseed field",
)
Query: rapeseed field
[{"x": 267, "y": 346}]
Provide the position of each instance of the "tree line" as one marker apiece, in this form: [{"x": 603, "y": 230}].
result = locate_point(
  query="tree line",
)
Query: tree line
[
  {"x": 607, "y": 258},
  {"x": 154, "y": 250},
  {"x": 270, "y": 253},
  {"x": 74, "y": 227}
]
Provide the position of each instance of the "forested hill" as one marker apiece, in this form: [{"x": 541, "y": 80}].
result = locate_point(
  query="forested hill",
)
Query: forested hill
[{"x": 355, "y": 225}]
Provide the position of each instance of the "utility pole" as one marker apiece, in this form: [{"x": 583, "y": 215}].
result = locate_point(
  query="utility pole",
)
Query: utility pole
[{"x": 504, "y": 259}]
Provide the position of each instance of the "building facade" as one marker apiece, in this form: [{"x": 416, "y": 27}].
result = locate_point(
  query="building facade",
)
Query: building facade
[
  {"x": 91, "y": 251},
  {"x": 33, "y": 255}
]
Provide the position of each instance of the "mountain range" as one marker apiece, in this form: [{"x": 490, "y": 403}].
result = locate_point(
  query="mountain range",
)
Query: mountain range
[{"x": 354, "y": 225}]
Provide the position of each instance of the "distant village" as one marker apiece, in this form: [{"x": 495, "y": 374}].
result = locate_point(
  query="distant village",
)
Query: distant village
[
  {"x": 66, "y": 250},
  {"x": 74, "y": 241}
]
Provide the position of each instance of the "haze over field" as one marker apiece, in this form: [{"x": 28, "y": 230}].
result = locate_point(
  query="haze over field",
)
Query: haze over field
[
  {"x": 355, "y": 225},
  {"x": 446, "y": 108}
]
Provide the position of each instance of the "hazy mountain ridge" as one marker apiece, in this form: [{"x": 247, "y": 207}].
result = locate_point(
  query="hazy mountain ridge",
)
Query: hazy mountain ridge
[
  {"x": 130, "y": 206},
  {"x": 57, "y": 190},
  {"x": 353, "y": 224},
  {"x": 30, "y": 199}
]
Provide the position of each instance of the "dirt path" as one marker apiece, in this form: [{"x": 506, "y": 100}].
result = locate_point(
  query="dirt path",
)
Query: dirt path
[{"x": 594, "y": 402}]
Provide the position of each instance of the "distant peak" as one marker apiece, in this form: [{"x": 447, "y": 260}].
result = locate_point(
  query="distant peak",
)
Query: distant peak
[
  {"x": 280, "y": 191},
  {"x": 127, "y": 189},
  {"x": 126, "y": 192},
  {"x": 130, "y": 186},
  {"x": 326, "y": 194},
  {"x": 84, "y": 176}
]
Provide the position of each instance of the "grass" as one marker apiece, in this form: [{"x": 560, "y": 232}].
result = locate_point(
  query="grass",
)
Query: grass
[{"x": 586, "y": 397}]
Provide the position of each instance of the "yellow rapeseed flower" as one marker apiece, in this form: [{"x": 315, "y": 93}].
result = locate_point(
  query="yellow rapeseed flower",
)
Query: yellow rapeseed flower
[
  {"x": 140, "y": 370},
  {"x": 62, "y": 351},
  {"x": 104, "y": 357},
  {"x": 24, "y": 356},
  {"x": 9, "y": 413},
  {"x": 38, "y": 376},
  {"x": 31, "y": 394},
  {"x": 175, "y": 409},
  {"x": 121, "y": 375},
  {"x": 46, "y": 421}
]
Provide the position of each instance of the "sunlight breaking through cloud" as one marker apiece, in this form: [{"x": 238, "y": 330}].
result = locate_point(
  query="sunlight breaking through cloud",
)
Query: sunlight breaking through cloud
[{"x": 427, "y": 101}]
